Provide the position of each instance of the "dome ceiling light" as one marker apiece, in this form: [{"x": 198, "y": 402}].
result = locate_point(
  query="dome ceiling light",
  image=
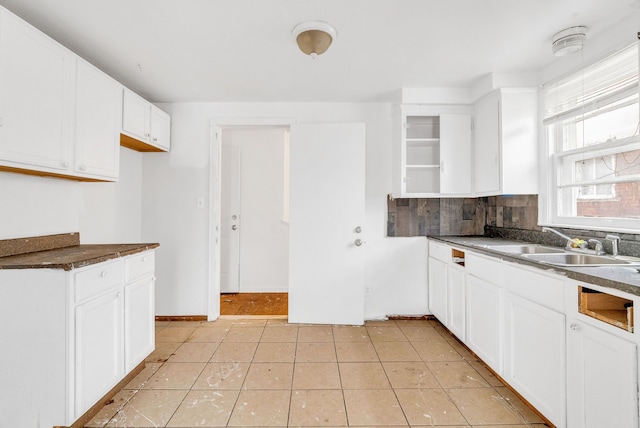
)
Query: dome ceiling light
[
  {"x": 569, "y": 40},
  {"x": 314, "y": 37}
]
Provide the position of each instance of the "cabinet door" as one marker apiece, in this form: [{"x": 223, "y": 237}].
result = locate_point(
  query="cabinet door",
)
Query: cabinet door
[
  {"x": 99, "y": 348},
  {"x": 602, "y": 385},
  {"x": 36, "y": 98},
  {"x": 484, "y": 335},
  {"x": 535, "y": 357},
  {"x": 139, "y": 321},
  {"x": 455, "y": 153},
  {"x": 456, "y": 300},
  {"x": 160, "y": 128},
  {"x": 486, "y": 153},
  {"x": 438, "y": 289},
  {"x": 136, "y": 119},
  {"x": 98, "y": 116}
]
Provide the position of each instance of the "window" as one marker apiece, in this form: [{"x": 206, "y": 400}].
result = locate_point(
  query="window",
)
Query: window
[{"x": 592, "y": 120}]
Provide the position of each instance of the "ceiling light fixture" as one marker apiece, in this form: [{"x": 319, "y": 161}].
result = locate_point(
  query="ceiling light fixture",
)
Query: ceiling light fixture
[
  {"x": 314, "y": 37},
  {"x": 569, "y": 40}
]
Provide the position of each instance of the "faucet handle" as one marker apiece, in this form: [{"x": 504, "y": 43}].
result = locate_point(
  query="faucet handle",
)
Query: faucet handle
[{"x": 597, "y": 245}]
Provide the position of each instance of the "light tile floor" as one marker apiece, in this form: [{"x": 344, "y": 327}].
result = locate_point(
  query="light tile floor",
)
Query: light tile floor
[{"x": 265, "y": 372}]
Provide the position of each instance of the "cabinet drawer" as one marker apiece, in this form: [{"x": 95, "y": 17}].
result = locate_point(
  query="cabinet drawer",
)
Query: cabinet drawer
[
  {"x": 139, "y": 265},
  {"x": 547, "y": 290},
  {"x": 486, "y": 268},
  {"x": 439, "y": 251},
  {"x": 97, "y": 279}
]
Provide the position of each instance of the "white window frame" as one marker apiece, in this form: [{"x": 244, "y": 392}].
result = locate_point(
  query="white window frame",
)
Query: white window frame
[{"x": 551, "y": 175}]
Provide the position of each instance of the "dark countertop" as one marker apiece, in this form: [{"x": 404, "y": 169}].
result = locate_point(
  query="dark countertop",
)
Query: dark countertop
[
  {"x": 72, "y": 257},
  {"x": 621, "y": 278}
]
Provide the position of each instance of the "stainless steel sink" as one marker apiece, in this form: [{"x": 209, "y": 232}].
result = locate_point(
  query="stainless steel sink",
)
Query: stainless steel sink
[
  {"x": 575, "y": 259},
  {"x": 525, "y": 249}
]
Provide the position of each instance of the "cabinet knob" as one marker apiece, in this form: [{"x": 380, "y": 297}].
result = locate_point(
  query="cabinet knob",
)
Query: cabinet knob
[
  {"x": 358, "y": 242},
  {"x": 155, "y": 139},
  {"x": 82, "y": 167},
  {"x": 144, "y": 259},
  {"x": 103, "y": 274},
  {"x": 65, "y": 164},
  {"x": 441, "y": 167},
  {"x": 574, "y": 327},
  {"x": 119, "y": 293},
  {"x": 1, "y": 122},
  {"x": 147, "y": 135}
]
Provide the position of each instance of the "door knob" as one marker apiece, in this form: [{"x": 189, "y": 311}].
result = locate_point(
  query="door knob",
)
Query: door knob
[
  {"x": 234, "y": 227},
  {"x": 358, "y": 229},
  {"x": 358, "y": 242}
]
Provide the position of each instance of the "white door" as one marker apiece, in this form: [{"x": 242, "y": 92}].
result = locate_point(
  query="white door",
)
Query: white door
[
  {"x": 230, "y": 220},
  {"x": 327, "y": 195}
]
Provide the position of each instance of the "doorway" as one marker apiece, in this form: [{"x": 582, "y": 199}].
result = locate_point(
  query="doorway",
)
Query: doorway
[{"x": 254, "y": 236}]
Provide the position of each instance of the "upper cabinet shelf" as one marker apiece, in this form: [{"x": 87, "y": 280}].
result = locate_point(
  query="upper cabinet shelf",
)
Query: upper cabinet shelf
[{"x": 431, "y": 151}]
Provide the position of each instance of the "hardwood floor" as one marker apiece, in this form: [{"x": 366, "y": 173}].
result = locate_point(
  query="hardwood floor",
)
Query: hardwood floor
[{"x": 254, "y": 304}]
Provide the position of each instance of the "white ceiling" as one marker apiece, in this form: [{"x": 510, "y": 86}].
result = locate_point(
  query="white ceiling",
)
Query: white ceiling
[{"x": 242, "y": 50}]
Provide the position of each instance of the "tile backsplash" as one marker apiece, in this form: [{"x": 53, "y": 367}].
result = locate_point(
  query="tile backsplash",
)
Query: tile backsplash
[
  {"x": 460, "y": 216},
  {"x": 508, "y": 217}
]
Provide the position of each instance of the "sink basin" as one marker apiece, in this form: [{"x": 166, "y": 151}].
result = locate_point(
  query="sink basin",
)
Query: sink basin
[
  {"x": 571, "y": 259},
  {"x": 525, "y": 249}
]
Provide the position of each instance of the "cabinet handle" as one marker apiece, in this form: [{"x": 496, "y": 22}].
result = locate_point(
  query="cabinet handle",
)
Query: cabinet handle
[
  {"x": 575, "y": 327},
  {"x": 155, "y": 139},
  {"x": 103, "y": 273},
  {"x": 144, "y": 259},
  {"x": 1, "y": 122},
  {"x": 442, "y": 167}
]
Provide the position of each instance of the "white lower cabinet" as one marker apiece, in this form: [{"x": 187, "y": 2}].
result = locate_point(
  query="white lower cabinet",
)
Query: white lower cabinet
[
  {"x": 139, "y": 321},
  {"x": 456, "y": 300},
  {"x": 94, "y": 324},
  {"x": 447, "y": 287},
  {"x": 567, "y": 348},
  {"x": 438, "y": 289},
  {"x": 99, "y": 347},
  {"x": 603, "y": 381},
  {"x": 484, "y": 324},
  {"x": 535, "y": 355},
  {"x": 602, "y": 364}
]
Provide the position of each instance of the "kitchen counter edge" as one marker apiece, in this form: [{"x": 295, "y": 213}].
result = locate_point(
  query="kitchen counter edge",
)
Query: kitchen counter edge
[
  {"x": 626, "y": 279},
  {"x": 74, "y": 257}
]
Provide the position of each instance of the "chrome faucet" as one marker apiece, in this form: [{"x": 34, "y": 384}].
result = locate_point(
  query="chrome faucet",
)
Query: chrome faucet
[
  {"x": 597, "y": 246},
  {"x": 614, "y": 243},
  {"x": 563, "y": 236}
]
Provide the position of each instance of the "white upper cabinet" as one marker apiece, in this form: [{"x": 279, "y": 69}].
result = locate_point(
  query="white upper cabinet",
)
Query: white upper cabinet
[
  {"x": 62, "y": 117},
  {"x": 145, "y": 127},
  {"x": 36, "y": 99},
  {"x": 97, "y": 125},
  {"x": 506, "y": 143},
  {"x": 432, "y": 155},
  {"x": 59, "y": 115}
]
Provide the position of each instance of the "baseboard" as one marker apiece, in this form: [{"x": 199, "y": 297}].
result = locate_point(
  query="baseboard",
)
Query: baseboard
[
  {"x": 89, "y": 414},
  {"x": 181, "y": 318}
]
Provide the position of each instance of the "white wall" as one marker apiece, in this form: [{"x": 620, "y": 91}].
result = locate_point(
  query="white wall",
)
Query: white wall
[
  {"x": 101, "y": 212},
  {"x": 396, "y": 267},
  {"x": 264, "y": 237}
]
